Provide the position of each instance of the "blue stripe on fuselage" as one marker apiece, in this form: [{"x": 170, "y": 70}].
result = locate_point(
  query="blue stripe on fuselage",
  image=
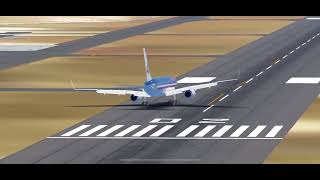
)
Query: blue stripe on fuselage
[{"x": 155, "y": 86}]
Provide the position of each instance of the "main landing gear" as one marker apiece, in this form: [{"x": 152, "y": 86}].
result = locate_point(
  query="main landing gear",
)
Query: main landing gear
[{"x": 175, "y": 101}]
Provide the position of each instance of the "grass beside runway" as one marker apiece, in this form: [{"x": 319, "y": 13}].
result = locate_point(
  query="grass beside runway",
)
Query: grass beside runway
[{"x": 301, "y": 145}]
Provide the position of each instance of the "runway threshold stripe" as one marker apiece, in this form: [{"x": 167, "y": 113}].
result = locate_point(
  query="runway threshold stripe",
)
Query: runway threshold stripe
[
  {"x": 188, "y": 131},
  {"x": 109, "y": 131},
  {"x": 127, "y": 131},
  {"x": 256, "y": 131},
  {"x": 144, "y": 131},
  {"x": 205, "y": 131},
  {"x": 221, "y": 131},
  {"x": 78, "y": 129},
  {"x": 274, "y": 131},
  {"x": 239, "y": 131},
  {"x": 161, "y": 131},
  {"x": 93, "y": 130}
]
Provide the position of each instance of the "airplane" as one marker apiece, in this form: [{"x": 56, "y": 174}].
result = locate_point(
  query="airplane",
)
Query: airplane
[{"x": 154, "y": 87}]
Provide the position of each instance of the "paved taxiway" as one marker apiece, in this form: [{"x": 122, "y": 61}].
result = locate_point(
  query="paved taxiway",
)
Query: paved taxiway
[
  {"x": 11, "y": 59},
  {"x": 238, "y": 122}
]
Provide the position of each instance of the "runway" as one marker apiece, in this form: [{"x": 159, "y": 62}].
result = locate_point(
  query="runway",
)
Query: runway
[
  {"x": 11, "y": 59},
  {"x": 237, "y": 122}
]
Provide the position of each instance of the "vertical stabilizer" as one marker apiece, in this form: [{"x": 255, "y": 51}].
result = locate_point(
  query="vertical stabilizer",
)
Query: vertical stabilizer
[{"x": 146, "y": 65}]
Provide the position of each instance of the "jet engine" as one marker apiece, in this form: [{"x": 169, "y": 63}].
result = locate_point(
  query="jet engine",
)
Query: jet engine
[
  {"x": 134, "y": 98},
  {"x": 190, "y": 93}
]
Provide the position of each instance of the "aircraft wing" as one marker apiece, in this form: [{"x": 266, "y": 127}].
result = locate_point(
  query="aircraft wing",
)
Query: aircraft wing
[
  {"x": 195, "y": 87},
  {"x": 136, "y": 91}
]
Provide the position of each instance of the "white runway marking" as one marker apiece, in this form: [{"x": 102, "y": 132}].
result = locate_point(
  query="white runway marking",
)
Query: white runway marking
[
  {"x": 208, "y": 108},
  {"x": 166, "y": 120},
  {"x": 309, "y": 40},
  {"x": 259, "y": 73},
  {"x": 239, "y": 131},
  {"x": 213, "y": 121},
  {"x": 237, "y": 89},
  {"x": 128, "y": 130},
  {"x": 303, "y": 80},
  {"x": 221, "y": 131},
  {"x": 291, "y": 52},
  {"x": 187, "y": 80},
  {"x": 313, "y": 37},
  {"x": 284, "y": 56},
  {"x": 165, "y": 138},
  {"x": 313, "y": 18},
  {"x": 150, "y": 160},
  {"x": 249, "y": 80},
  {"x": 80, "y": 128},
  {"x": 188, "y": 131},
  {"x": 277, "y": 62},
  {"x": 256, "y": 131},
  {"x": 109, "y": 131},
  {"x": 161, "y": 131},
  {"x": 269, "y": 67},
  {"x": 93, "y": 130},
  {"x": 205, "y": 131},
  {"x": 224, "y": 97},
  {"x": 298, "y": 48},
  {"x": 303, "y": 44},
  {"x": 274, "y": 131},
  {"x": 145, "y": 130}
]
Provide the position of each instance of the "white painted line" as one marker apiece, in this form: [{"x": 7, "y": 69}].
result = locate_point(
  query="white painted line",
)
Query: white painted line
[
  {"x": 303, "y": 80},
  {"x": 285, "y": 56},
  {"x": 309, "y": 40},
  {"x": 208, "y": 108},
  {"x": 318, "y": 34},
  {"x": 150, "y": 160},
  {"x": 187, "y": 80},
  {"x": 313, "y": 18},
  {"x": 291, "y": 52},
  {"x": 237, "y": 89},
  {"x": 303, "y": 44},
  {"x": 111, "y": 130},
  {"x": 221, "y": 131},
  {"x": 277, "y": 62},
  {"x": 298, "y": 48},
  {"x": 165, "y": 120},
  {"x": 313, "y": 37},
  {"x": 223, "y": 97},
  {"x": 80, "y": 128},
  {"x": 205, "y": 131},
  {"x": 93, "y": 130},
  {"x": 256, "y": 131},
  {"x": 249, "y": 80},
  {"x": 161, "y": 131},
  {"x": 268, "y": 67},
  {"x": 188, "y": 131},
  {"x": 259, "y": 73},
  {"x": 144, "y": 130},
  {"x": 163, "y": 138},
  {"x": 128, "y": 130},
  {"x": 206, "y": 121},
  {"x": 239, "y": 131},
  {"x": 274, "y": 131}
]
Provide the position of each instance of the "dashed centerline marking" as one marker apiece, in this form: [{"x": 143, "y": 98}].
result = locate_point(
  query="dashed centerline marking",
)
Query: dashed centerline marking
[
  {"x": 249, "y": 80},
  {"x": 309, "y": 40},
  {"x": 208, "y": 108},
  {"x": 259, "y": 73},
  {"x": 303, "y": 44},
  {"x": 215, "y": 99},
  {"x": 298, "y": 48},
  {"x": 268, "y": 67},
  {"x": 284, "y": 56},
  {"x": 224, "y": 97},
  {"x": 277, "y": 62},
  {"x": 291, "y": 52},
  {"x": 237, "y": 89}
]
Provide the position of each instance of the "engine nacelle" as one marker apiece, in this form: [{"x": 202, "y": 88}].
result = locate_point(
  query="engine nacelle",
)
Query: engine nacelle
[
  {"x": 190, "y": 93},
  {"x": 134, "y": 98}
]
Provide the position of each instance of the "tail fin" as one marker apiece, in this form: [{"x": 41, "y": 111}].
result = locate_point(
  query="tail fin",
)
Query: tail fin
[{"x": 146, "y": 65}]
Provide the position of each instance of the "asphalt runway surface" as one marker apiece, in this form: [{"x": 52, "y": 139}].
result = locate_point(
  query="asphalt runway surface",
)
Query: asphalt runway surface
[
  {"x": 11, "y": 59},
  {"x": 236, "y": 122}
]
